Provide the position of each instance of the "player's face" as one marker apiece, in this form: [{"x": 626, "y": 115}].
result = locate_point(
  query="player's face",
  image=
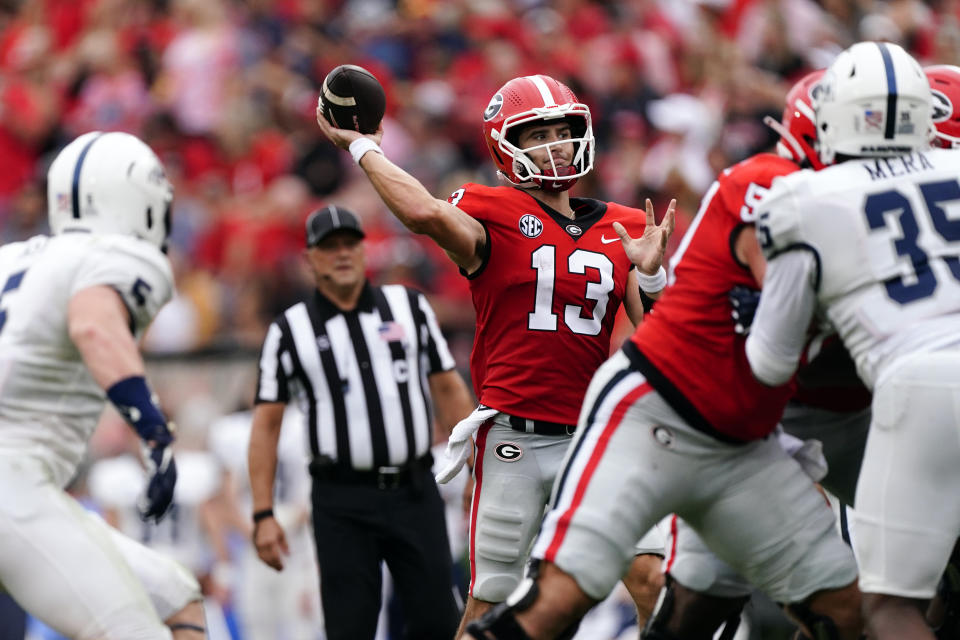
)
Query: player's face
[
  {"x": 547, "y": 134},
  {"x": 338, "y": 260}
]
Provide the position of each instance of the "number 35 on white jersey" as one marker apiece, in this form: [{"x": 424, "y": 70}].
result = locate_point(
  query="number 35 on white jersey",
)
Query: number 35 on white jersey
[{"x": 886, "y": 236}]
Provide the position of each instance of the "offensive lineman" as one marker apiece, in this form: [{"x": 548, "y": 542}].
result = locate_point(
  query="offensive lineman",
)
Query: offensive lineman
[
  {"x": 546, "y": 286},
  {"x": 873, "y": 246},
  {"x": 71, "y": 308}
]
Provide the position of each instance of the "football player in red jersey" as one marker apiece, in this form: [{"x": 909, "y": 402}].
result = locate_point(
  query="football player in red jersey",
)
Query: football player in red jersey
[
  {"x": 703, "y": 592},
  {"x": 676, "y": 422},
  {"x": 547, "y": 274}
]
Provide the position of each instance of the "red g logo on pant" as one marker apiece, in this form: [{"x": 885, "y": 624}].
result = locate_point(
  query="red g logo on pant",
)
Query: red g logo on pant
[{"x": 508, "y": 451}]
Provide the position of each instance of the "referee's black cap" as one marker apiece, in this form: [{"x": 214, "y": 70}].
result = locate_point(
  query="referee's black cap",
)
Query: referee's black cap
[{"x": 330, "y": 218}]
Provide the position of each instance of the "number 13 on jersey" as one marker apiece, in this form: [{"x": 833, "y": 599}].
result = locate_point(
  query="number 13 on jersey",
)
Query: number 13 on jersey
[{"x": 544, "y": 261}]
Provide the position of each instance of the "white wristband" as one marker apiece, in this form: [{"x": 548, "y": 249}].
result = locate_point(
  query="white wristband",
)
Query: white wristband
[
  {"x": 361, "y": 146},
  {"x": 654, "y": 283}
]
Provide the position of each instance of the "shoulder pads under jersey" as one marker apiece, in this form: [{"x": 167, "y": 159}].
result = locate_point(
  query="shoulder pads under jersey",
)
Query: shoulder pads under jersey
[
  {"x": 779, "y": 222},
  {"x": 136, "y": 269}
]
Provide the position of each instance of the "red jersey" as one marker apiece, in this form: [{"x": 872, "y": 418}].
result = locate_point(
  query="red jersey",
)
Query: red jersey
[
  {"x": 687, "y": 347},
  {"x": 546, "y": 297},
  {"x": 827, "y": 377}
]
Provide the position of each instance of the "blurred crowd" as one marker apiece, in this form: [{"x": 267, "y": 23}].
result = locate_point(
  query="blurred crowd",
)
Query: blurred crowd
[{"x": 225, "y": 92}]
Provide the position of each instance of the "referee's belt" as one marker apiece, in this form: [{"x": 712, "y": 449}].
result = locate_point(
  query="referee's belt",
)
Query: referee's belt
[
  {"x": 541, "y": 427},
  {"x": 386, "y": 477}
]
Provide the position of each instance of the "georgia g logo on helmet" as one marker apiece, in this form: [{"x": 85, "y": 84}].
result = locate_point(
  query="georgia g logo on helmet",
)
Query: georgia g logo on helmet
[
  {"x": 496, "y": 102},
  {"x": 942, "y": 109},
  {"x": 944, "y": 82}
]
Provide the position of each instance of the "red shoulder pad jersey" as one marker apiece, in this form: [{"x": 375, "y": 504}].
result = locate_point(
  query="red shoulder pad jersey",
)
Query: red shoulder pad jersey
[
  {"x": 687, "y": 347},
  {"x": 546, "y": 297}
]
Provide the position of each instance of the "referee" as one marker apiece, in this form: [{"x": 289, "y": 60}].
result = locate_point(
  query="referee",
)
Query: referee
[{"x": 365, "y": 362}]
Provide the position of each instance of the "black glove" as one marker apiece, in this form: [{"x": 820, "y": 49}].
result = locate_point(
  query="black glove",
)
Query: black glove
[
  {"x": 162, "y": 469},
  {"x": 744, "y": 301}
]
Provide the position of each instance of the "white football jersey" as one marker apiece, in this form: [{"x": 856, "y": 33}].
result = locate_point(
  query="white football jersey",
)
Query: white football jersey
[
  {"x": 885, "y": 236},
  {"x": 229, "y": 438},
  {"x": 49, "y": 403}
]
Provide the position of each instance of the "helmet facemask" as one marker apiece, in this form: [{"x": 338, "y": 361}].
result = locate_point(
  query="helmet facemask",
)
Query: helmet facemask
[
  {"x": 945, "y": 141},
  {"x": 554, "y": 178},
  {"x": 797, "y": 127}
]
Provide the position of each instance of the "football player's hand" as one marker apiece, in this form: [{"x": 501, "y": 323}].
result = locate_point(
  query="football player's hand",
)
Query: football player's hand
[
  {"x": 162, "y": 471},
  {"x": 343, "y": 137},
  {"x": 744, "y": 301},
  {"x": 270, "y": 542},
  {"x": 646, "y": 252}
]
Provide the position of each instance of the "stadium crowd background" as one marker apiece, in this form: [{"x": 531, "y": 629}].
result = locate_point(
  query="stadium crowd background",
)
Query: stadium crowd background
[{"x": 225, "y": 92}]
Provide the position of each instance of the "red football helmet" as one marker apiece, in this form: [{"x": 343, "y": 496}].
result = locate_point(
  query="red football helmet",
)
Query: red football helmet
[
  {"x": 944, "y": 82},
  {"x": 797, "y": 127},
  {"x": 531, "y": 99}
]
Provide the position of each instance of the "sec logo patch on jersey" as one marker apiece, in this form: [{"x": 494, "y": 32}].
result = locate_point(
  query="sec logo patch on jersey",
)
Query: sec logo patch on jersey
[
  {"x": 508, "y": 451},
  {"x": 530, "y": 225}
]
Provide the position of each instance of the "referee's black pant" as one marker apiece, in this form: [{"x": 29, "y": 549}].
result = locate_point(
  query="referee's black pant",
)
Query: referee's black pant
[{"x": 359, "y": 522}]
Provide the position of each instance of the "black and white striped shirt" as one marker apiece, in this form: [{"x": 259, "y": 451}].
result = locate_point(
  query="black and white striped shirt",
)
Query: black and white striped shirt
[{"x": 361, "y": 375}]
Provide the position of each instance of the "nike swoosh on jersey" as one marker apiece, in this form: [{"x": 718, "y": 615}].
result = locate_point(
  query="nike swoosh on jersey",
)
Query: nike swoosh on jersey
[{"x": 606, "y": 240}]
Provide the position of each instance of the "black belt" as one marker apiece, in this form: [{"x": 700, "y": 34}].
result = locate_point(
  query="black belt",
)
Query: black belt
[
  {"x": 387, "y": 477},
  {"x": 541, "y": 427}
]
